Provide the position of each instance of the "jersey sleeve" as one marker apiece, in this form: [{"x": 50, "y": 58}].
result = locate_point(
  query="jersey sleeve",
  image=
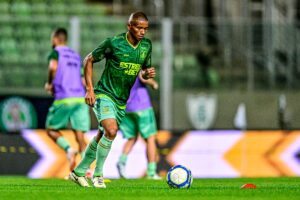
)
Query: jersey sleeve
[
  {"x": 102, "y": 50},
  {"x": 147, "y": 63},
  {"x": 53, "y": 55}
]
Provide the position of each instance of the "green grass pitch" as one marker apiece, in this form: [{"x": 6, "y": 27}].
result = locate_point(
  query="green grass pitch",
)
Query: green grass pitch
[{"x": 206, "y": 189}]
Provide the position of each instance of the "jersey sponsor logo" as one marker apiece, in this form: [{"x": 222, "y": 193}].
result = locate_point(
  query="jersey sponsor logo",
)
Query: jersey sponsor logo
[
  {"x": 72, "y": 64},
  {"x": 16, "y": 114},
  {"x": 202, "y": 110},
  {"x": 131, "y": 69}
]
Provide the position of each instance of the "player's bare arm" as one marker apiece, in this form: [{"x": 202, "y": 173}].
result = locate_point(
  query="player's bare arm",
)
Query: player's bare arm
[
  {"x": 151, "y": 82},
  {"x": 51, "y": 74},
  {"x": 83, "y": 81},
  {"x": 88, "y": 75}
]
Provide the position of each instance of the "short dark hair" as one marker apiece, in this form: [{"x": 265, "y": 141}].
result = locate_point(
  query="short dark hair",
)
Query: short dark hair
[
  {"x": 61, "y": 33},
  {"x": 137, "y": 16}
]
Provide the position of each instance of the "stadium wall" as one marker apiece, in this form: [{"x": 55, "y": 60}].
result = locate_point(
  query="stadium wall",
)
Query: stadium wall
[
  {"x": 209, "y": 154},
  {"x": 261, "y": 109}
]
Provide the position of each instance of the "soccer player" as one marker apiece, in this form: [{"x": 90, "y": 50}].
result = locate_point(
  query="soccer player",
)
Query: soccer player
[
  {"x": 126, "y": 54},
  {"x": 139, "y": 118},
  {"x": 66, "y": 85}
]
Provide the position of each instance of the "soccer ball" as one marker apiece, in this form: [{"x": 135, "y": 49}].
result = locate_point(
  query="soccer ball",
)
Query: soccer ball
[{"x": 179, "y": 177}]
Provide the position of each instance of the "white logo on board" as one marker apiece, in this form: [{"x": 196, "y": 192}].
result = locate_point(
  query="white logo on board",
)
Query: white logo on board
[{"x": 202, "y": 110}]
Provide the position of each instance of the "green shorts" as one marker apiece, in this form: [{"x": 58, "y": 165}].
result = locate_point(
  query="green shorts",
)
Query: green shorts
[
  {"x": 142, "y": 122},
  {"x": 106, "y": 108},
  {"x": 72, "y": 110}
]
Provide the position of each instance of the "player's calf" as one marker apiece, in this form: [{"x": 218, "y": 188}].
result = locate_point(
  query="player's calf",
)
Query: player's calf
[{"x": 71, "y": 155}]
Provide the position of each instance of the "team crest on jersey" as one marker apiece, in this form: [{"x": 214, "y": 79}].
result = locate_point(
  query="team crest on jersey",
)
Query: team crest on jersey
[
  {"x": 16, "y": 114},
  {"x": 202, "y": 110},
  {"x": 143, "y": 55},
  {"x": 105, "y": 110}
]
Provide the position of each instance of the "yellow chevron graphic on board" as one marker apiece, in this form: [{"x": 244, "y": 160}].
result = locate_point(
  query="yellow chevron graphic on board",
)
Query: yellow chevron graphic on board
[
  {"x": 275, "y": 154},
  {"x": 259, "y": 153},
  {"x": 248, "y": 155}
]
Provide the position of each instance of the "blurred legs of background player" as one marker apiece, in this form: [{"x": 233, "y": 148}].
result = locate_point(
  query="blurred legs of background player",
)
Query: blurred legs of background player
[
  {"x": 151, "y": 157},
  {"x": 64, "y": 144},
  {"x": 139, "y": 119},
  {"x": 58, "y": 118}
]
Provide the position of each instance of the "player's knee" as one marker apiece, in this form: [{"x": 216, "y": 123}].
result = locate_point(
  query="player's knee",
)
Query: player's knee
[
  {"x": 111, "y": 132},
  {"x": 151, "y": 138},
  {"x": 53, "y": 134},
  {"x": 134, "y": 139},
  {"x": 49, "y": 133}
]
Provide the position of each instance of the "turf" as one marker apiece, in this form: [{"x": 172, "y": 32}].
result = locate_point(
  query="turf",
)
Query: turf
[{"x": 208, "y": 189}]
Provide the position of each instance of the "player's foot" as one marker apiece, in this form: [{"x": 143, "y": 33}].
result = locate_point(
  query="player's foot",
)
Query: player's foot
[
  {"x": 98, "y": 182},
  {"x": 71, "y": 155},
  {"x": 154, "y": 177},
  {"x": 80, "y": 180},
  {"x": 121, "y": 170}
]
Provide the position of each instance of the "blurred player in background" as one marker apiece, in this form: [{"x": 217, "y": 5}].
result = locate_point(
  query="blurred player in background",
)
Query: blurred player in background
[
  {"x": 139, "y": 118},
  {"x": 66, "y": 84},
  {"x": 126, "y": 54}
]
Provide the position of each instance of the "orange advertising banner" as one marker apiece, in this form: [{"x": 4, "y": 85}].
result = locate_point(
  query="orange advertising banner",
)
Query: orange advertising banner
[{"x": 209, "y": 154}]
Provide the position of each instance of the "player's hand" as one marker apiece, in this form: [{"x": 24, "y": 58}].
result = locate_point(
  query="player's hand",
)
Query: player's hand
[
  {"x": 49, "y": 88},
  {"x": 149, "y": 73},
  {"x": 90, "y": 98}
]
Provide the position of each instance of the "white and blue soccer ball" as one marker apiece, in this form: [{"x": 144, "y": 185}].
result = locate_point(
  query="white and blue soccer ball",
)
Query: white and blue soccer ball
[{"x": 179, "y": 176}]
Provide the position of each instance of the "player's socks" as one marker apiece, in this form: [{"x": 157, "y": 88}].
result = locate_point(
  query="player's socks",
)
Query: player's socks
[
  {"x": 88, "y": 173},
  {"x": 63, "y": 143},
  {"x": 123, "y": 159},
  {"x": 151, "y": 169},
  {"x": 103, "y": 149},
  {"x": 121, "y": 165},
  {"x": 88, "y": 157}
]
